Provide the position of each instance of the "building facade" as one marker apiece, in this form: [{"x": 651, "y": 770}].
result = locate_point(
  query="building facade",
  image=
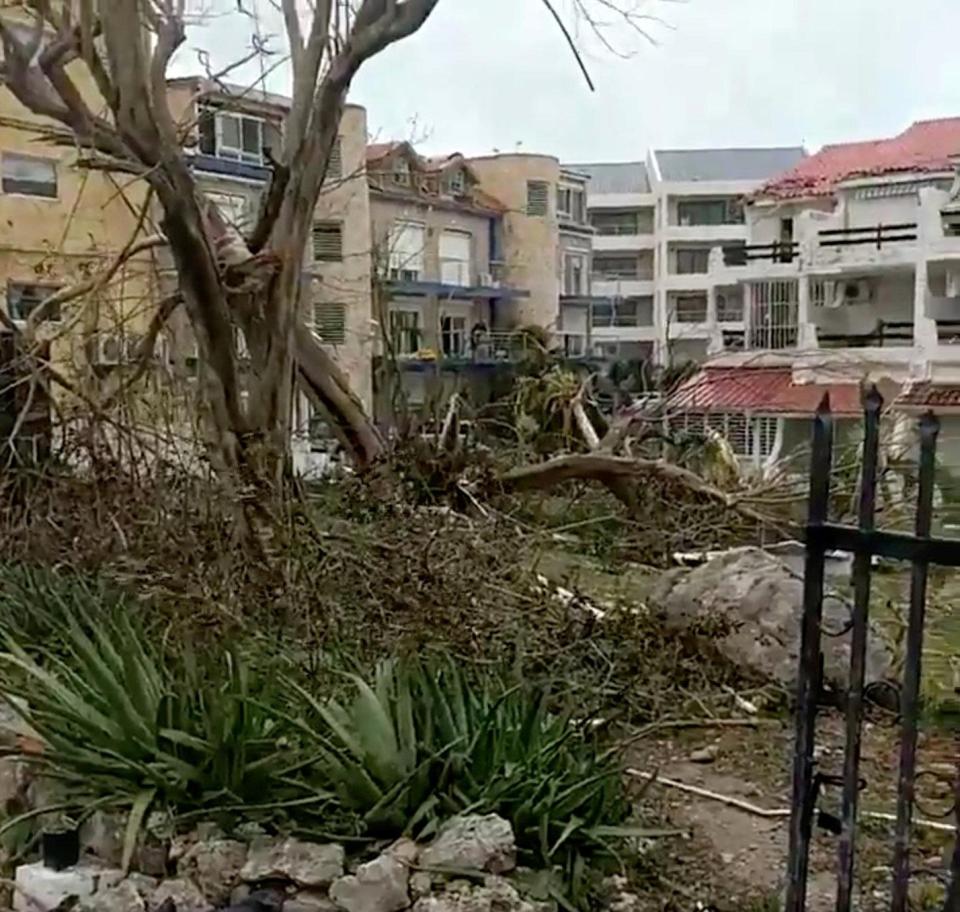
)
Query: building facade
[
  {"x": 655, "y": 223},
  {"x": 850, "y": 275}
]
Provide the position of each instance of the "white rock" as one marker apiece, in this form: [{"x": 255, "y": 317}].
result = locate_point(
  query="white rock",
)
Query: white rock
[
  {"x": 380, "y": 885},
  {"x": 185, "y": 894},
  {"x": 483, "y": 843},
  {"x": 39, "y": 889},
  {"x": 214, "y": 866},
  {"x": 122, "y": 897},
  {"x": 305, "y": 863}
]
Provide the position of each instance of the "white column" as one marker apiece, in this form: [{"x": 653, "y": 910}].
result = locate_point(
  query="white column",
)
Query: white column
[
  {"x": 806, "y": 330},
  {"x": 715, "y": 339},
  {"x": 747, "y": 312},
  {"x": 924, "y": 329}
]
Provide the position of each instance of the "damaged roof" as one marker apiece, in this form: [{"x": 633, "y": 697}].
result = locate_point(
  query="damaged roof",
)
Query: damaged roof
[{"x": 926, "y": 146}]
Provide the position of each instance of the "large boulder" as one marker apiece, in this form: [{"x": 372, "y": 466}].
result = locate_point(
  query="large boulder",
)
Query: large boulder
[
  {"x": 485, "y": 843},
  {"x": 758, "y": 602},
  {"x": 307, "y": 864}
]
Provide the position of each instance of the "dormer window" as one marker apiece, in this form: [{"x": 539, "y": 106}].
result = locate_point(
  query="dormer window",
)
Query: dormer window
[
  {"x": 456, "y": 183},
  {"x": 401, "y": 172}
]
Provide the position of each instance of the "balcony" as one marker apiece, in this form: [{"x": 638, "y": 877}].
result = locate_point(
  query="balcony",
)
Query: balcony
[
  {"x": 873, "y": 245},
  {"x": 888, "y": 334},
  {"x": 709, "y": 232},
  {"x": 614, "y": 243},
  {"x": 607, "y": 285},
  {"x": 777, "y": 252}
]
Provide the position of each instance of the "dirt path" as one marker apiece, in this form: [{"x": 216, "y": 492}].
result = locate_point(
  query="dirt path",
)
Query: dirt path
[{"x": 736, "y": 860}]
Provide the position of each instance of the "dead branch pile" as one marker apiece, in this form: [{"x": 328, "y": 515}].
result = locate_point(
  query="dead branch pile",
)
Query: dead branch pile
[{"x": 354, "y": 573}]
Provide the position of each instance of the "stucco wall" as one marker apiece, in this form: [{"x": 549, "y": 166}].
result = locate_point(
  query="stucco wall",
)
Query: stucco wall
[{"x": 530, "y": 242}]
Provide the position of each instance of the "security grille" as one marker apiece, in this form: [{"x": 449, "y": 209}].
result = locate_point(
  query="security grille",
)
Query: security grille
[
  {"x": 330, "y": 322},
  {"x": 538, "y": 198},
  {"x": 328, "y": 242}
]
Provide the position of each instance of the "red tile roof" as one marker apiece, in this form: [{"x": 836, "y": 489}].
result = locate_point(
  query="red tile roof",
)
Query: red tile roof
[
  {"x": 762, "y": 390},
  {"x": 927, "y": 145},
  {"x": 929, "y": 395}
]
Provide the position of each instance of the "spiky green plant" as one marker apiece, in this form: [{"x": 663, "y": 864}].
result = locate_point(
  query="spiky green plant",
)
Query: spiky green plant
[
  {"x": 424, "y": 741},
  {"x": 123, "y": 723}
]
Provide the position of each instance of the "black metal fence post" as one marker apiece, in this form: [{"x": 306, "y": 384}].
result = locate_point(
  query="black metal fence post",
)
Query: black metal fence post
[
  {"x": 910, "y": 699},
  {"x": 873, "y": 402},
  {"x": 801, "y": 820}
]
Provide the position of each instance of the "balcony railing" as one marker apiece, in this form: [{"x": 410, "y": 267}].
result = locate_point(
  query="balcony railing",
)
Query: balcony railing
[
  {"x": 889, "y": 333},
  {"x": 875, "y": 235},
  {"x": 622, "y": 230},
  {"x": 948, "y": 331},
  {"x": 777, "y": 252}
]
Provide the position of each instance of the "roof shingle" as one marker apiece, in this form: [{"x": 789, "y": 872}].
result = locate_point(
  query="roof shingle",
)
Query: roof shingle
[
  {"x": 761, "y": 390},
  {"x": 927, "y": 145}
]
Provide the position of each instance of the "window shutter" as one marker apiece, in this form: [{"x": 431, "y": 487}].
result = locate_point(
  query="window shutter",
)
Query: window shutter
[
  {"x": 538, "y": 198},
  {"x": 335, "y": 164},
  {"x": 330, "y": 322},
  {"x": 328, "y": 242}
]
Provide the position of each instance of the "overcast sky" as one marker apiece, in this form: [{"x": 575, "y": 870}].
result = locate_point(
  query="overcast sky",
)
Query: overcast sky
[{"x": 496, "y": 74}]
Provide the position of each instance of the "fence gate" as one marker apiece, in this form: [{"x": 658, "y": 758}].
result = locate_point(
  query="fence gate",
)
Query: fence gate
[{"x": 863, "y": 542}]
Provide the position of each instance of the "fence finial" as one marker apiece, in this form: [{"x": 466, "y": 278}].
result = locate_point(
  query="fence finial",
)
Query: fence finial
[
  {"x": 929, "y": 425},
  {"x": 824, "y": 407},
  {"x": 872, "y": 400}
]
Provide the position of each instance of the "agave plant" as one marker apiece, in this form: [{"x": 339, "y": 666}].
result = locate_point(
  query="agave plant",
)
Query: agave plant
[
  {"x": 122, "y": 723},
  {"x": 423, "y": 741}
]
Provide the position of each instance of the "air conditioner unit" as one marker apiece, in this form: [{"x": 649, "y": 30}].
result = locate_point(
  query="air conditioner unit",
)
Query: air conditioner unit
[
  {"x": 107, "y": 349},
  {"x": 859, "y": 291}
]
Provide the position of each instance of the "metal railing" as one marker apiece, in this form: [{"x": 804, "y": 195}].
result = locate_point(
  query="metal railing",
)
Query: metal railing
[
  {"x": 888, "y": 333},
  {"x": 864, "y": 541},
  {"x": 777, "y": 252},
  {"x": 875, "y": 235},
  {"x": 623, "y": 230}
]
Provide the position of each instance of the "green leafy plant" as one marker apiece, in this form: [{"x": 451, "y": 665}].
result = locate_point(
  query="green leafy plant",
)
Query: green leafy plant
[
  {"x": 123, "y": 723},
  {"x": 424, "y": 741}
]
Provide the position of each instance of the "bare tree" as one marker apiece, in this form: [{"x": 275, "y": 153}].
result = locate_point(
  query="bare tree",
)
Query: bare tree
[{"x": 225, "y": 281}]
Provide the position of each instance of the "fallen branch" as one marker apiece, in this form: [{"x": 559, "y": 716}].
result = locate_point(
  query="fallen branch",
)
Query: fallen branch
[
  {"x": 772, "y": 813},
  {"x": 609, "y": 470}
]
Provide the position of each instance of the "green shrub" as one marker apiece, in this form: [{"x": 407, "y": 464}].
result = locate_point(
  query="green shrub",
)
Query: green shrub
[
  {"x": 422, "y": 742},
  {"x": 125, "y": 723}
]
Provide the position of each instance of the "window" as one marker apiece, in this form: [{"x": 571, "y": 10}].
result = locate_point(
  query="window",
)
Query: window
[
  {"x": 616, "y": 267},
  {"x": 538, "y": 198},
  {"x": 690, "y": 308},
  {"x": 692, "y": 260},
  {"x": 328, "y": 242},
  {"x": 455, "y": 249},
  {"x": 570, "y": 204},
  {"x": 766, "y": 434},
  {"x": 238, "y": 137},
  {"x": 406, "y": 251},
  {"x": 23, "y": 298},
  {"x": 456, "y": 183},
  {"x": 335, "y": 162},
  {"x": 330, "y": 322},
  {"x": 405, "y": 331},
  {"x": 628, "y": 221},
  {"x": 453, "y": 336},
  {"x": 634, "y": 311},
  {"x": 730, "y": 306},
  {"x": 401, "y": 172},
  {"x": 710, "y": 212},
  {"x": 575, "y": 274},
  {"x": 30, "y": 176}
]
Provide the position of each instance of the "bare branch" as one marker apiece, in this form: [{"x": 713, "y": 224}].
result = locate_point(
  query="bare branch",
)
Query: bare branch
[{"x": 572, "y": 44}]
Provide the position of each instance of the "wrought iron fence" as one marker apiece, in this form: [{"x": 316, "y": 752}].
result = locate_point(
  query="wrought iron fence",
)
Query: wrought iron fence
[{"x": 864, "y": 542}]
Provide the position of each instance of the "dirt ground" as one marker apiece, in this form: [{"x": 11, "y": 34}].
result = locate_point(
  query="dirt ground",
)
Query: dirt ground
[{"x": 734, "y": 860}]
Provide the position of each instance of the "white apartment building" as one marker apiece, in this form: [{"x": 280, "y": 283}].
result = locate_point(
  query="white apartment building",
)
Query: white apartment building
[
  {"x": 655, "y": 223},
  {"x": 850, "y": 274}
]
